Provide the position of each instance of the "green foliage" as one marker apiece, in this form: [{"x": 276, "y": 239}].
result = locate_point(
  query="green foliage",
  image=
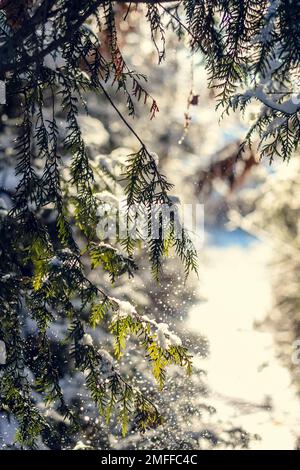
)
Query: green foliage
[
  {"x": 148, "y": 331},
  {"x": 112, "y": 261},
  {"x": 43, "y": 270}
]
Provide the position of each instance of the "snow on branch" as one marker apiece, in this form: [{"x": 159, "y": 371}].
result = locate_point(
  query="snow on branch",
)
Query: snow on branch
[{"x": 290, "y": 106}]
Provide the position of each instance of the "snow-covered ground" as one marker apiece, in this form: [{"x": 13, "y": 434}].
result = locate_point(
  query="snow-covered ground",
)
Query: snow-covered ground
[{"x": 250, "y": 388}]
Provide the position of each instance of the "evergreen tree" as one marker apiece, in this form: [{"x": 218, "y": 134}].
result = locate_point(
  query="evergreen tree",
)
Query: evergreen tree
[{"x": 52, "y": 53}]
